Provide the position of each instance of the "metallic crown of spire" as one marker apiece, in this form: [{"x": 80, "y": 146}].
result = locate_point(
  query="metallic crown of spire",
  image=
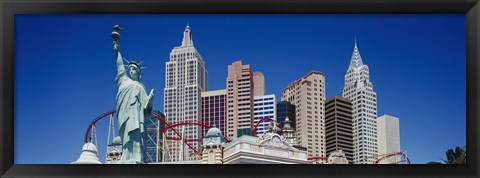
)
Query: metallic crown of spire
[{"x": 356, "y": 60}]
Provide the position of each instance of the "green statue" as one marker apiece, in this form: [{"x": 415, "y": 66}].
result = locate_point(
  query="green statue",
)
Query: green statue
[{"x": 133, "y": 106}]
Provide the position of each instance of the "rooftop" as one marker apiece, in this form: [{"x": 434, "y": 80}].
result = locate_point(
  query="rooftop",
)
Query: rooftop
[{"x": 304, "y": 77}]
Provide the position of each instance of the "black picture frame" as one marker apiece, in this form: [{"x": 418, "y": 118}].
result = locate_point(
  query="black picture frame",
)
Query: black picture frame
[{"x": 8, "y": 8}]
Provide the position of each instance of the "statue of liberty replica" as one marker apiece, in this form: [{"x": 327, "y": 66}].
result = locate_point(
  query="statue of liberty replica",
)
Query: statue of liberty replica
[{"x": 133, "y": 106}]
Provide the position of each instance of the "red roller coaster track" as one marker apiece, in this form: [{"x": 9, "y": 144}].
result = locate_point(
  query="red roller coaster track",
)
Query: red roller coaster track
[
  {"x": 263, "y": 120},
  {"x": 187, "y": 141},
  {"x": 94, "y": 121},
  {"x": 171, "y": 126},
  {"x": 160, "y": 118}
]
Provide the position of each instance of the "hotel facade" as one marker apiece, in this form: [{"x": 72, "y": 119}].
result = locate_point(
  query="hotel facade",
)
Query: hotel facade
[
  {"x": 214, "y": 108},
  {"x": 185, "y": 80},
  {"x": 240, "y": 94},
  {"x": 338, "y": 126},
  {"x": 264, "y": 107},
  {"x": 359, "y": 89},
  {"x": 388, "y": 129},
  {"x": 308, "y": 96}
]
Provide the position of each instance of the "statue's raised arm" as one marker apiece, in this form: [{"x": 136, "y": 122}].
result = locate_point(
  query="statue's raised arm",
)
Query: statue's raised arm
[
  {"x": 133, "y": 106},
  {"x": 116, "y": 48}
]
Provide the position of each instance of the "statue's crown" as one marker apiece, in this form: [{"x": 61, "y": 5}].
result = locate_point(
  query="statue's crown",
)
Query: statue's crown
[{"x": 136, "y": 64}]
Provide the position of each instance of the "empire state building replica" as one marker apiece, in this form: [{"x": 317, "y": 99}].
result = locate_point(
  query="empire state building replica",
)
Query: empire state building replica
[
  {"x": 185, "y": 80},
  {"x": 359, "y": 90}
]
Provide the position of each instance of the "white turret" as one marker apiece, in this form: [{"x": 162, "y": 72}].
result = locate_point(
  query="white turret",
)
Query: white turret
[
  {"x": 288, "y": 132},
  {"x": 89, "y": 155}
]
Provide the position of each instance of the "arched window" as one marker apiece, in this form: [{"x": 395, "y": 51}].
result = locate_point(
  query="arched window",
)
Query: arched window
[{"x": 211, "y": 157}]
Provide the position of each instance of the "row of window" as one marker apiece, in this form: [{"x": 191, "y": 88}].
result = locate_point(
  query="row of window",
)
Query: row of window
[
  {"x": 262, "y": 104},
  {"x": 264, "y": 99},
  {"x": 263, "y": 108}
]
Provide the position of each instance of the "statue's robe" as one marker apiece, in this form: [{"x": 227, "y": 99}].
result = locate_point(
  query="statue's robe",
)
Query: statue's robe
[{"x": 132, "y": 109}]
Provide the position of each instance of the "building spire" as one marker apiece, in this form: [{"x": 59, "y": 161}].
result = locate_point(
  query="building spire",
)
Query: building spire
[
  {"x": 356, "y": 60},
  {"x": 355, "y": 41},
  {"x": 187, "y": 37}
]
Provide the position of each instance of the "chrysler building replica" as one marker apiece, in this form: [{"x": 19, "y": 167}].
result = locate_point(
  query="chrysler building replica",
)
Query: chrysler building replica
[
  {"x": 359, "y": 90},
  {"x": 185, "y": 80}
]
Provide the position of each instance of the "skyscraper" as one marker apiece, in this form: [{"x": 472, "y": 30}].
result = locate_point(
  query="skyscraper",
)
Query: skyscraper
[
  {"x": 264, "y": 107},
  {"x": 359, "y": 90},
  {"x": 308, "y": 96},
  {"x": 338, "y": 126},
  {"x": 240, "y": 93},
  {"x": 388, "y": 130},
  {"x": 185, "y": 79},
  {"x": 214, "y": 110}
]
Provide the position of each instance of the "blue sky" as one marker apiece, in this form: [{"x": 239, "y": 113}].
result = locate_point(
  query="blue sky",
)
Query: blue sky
[{"x": 65, "y": 69}]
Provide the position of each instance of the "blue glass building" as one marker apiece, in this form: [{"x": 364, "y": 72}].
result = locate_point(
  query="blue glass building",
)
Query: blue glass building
[{"x": 284, "y": 109}]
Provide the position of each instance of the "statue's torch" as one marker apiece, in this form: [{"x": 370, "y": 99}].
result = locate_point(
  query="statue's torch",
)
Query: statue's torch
[
  {"x": 116, "y": 37},
  {"x": 116, "y": 33}
]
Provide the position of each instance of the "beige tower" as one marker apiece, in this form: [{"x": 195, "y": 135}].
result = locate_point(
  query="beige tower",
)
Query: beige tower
[
  {"x": 388, "y": 134},
  {"x": 308, "y": 96},
  {"x": 213, "y": 143},
  {"x": 240, "y": 93},
  {"x": 259, "y": 84}
]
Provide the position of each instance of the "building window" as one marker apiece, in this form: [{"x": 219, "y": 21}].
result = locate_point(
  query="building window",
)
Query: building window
[{"x": 211, "y": 157}]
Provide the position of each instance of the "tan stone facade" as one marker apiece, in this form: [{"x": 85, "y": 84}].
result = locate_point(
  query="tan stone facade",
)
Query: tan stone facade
[
  {"x": 239, "y": 98},
  {"x": 240, "y": 93},
  {"x": 212, "y": 154},
  {"x": 308, "y": 96},
  {"x": 272, "y": 149},
  {"x": 259, "y": 84}
]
